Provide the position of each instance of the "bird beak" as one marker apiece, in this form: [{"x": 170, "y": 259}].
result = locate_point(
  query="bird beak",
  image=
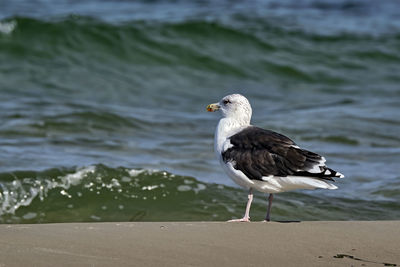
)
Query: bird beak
[{"x": 213, "y": 107}]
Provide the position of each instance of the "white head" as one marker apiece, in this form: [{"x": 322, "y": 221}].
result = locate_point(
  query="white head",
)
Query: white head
[{"x": 233, "y": 106}]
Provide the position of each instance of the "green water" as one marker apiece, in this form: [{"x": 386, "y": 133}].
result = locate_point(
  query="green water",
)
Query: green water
[
  {"x": 85, "y": 89},
  {"x": 100, "y": 193}
]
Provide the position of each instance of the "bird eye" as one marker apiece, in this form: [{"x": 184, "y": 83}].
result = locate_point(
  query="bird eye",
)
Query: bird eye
[{"x": 226, "y": 102}]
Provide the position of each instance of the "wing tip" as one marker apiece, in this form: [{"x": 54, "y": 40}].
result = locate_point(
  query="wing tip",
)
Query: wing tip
[
  {"x": 339, "y": 175},
  {"x": 332, "y": 173}
]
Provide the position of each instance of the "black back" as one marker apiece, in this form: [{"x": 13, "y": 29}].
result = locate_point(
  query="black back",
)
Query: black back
[{"x": 258, "y": 152}]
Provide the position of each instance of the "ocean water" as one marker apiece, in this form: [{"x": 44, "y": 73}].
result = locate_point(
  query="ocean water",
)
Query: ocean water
[{"x": 102, "y": 106}]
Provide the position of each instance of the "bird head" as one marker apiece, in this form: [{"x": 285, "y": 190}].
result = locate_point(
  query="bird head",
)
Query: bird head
[{"x": 233, "y": 106}]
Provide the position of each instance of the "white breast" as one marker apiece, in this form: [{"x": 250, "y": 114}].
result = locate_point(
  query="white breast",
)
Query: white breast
[{"x": 225, "y": 129}]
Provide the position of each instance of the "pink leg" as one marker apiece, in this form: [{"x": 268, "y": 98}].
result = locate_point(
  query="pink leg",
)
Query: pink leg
[
  {"x": 246, "y": 217},
  {"x": 270, "y": 198}
]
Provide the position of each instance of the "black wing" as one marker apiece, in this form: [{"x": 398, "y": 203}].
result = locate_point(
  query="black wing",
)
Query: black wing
[{"x": 258, "y": 152}]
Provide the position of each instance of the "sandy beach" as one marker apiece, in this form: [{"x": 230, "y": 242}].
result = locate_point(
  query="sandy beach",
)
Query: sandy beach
[{"x": 345, "y": 243}]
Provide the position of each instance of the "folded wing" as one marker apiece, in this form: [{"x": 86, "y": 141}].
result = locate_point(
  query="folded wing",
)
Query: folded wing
[{"x": 261, "y": 153}]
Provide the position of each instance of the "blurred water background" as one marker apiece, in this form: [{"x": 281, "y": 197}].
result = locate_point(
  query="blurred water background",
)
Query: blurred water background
[{"x": 102, "y": 105}]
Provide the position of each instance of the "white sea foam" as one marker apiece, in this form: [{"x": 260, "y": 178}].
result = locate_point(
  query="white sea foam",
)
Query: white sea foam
[
  {"x": 15, "y": 195},
  {"x": 75, "y": 178},
  {"x": 149, "y": 187},
  {"x": 184, "y": 188},
  {"x": 134, "y": 172},
  {"x": 7, "y": 27}
]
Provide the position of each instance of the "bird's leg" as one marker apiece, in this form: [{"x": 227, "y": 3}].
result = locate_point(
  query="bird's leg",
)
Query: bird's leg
[
  {"x": 270, "y": 198},
  {"x": 246, "y": 217}
]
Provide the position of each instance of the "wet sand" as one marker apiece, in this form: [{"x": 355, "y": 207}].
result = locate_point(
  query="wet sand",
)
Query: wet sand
[{"x": 345, "y": 243}]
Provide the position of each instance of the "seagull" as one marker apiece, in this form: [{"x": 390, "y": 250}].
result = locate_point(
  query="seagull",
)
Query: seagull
[{"x": 263, "y": 160}]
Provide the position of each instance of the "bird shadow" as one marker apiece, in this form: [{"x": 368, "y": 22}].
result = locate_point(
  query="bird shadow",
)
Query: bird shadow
[{"x": 288, "y": 221}]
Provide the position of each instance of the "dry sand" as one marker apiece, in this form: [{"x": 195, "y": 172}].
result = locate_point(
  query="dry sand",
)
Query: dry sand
[{"x": 201, "y": 244}]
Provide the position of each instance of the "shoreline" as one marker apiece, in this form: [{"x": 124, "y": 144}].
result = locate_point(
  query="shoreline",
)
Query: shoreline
[{"x": 308, "y": 243}]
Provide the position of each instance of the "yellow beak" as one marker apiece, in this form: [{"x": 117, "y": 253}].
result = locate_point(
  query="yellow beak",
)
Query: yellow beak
[{"x": 213, "y": 107}]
